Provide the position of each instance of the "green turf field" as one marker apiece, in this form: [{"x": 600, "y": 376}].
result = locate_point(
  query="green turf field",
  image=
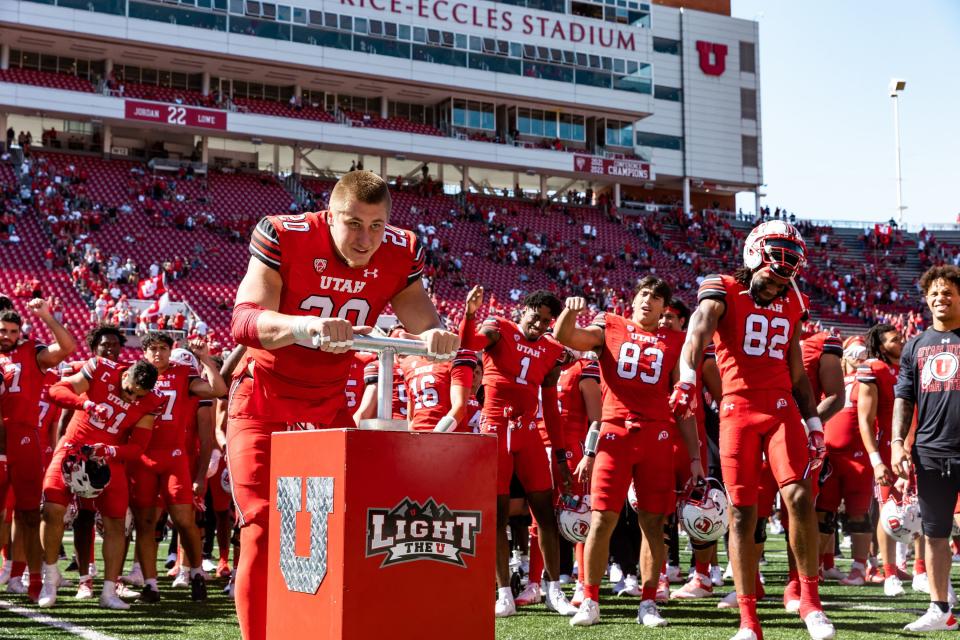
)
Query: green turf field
[{"x": 858, "y": 613}]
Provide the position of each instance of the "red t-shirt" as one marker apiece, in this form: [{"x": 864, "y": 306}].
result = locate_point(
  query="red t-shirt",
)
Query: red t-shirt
[
  {"x": 23, "y": 384},
  {"x": 629, "y": 392},
  {"x": 429, "y": 383},
  {"x": 514, "y": 369},
  {"x": 104, "y": 377},
  {"x": 298, "y": 382},
  {"x": 752, "y": 341}
]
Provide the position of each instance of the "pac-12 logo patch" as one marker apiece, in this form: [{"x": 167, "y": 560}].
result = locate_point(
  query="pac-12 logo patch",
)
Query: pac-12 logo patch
[
  {"x": 319, "y": 264},
  {"x": 412, "y": 531}
]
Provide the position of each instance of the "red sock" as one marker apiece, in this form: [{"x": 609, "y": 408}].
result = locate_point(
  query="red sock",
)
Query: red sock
[
  {"x": 889, "y": 569},
  {"x": 919, "y": 566},
  {"x": 663, "y": 568},
  {"x": 224, "y": 555},
  {"x": 5, "y": 552},
  {"x": 591, "y": 591},
  {"x": 36, "y": 583},
  {"x": 793, "y": 575},
  {"x": 578, "y": 555},
  {"x": 826, "y": 560},
  {"x": 17, "y": 569},
  {"x": 748, "y": 613},
  {"x": 809, "y": 595},
  {"x": 703, "y": 568},
  {"x": 648, "y": 593},
  {"x": 536, "y": 558}
]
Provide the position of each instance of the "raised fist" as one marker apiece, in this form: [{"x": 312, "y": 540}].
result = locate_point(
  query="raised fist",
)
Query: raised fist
[
  {"x": 39, "y": 306},
  {"x": 474, "y": 300},
  {"x": 576, "y": 304}
]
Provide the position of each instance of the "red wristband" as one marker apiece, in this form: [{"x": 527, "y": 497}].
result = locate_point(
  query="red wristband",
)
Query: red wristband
[{"x": 243, "y": 324}]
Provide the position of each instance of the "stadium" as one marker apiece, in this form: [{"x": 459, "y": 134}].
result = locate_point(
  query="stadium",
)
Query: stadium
[{"x": 563, "y": 171}]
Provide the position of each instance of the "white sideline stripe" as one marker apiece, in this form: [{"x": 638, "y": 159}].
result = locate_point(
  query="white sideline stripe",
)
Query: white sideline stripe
[{"x": 41, "y": 618}]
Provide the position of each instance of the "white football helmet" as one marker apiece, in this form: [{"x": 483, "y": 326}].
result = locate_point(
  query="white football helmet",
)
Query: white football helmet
[
  {"x": 778, "y": 245},
  {"x": 632, "y": 496},
  {"x": 185, "y": 357},
  {"x": 225, "y": 481},
  {"x": 85, "y": 476},
  {"x": 901, "y": 518},
  {"x": 574, "y": 522},
  {"x": 702, "y": 511}
]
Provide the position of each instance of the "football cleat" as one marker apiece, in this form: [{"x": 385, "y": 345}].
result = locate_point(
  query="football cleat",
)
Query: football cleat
[
  {"x": 673, "y": 573},
  {"x": 729, "y": 601},
  {"x": 649, "y": 615},
  {"x": 182, "y": 580},
  {"x": 933, "y": 620},
  {"x": 92, "y": 570},
  {"x": 874, "y": 575},
  {"x": 149, "y": 595},
  {"x": 85, "y": 590},
  {"x": 171, "y": 561},
  {"x": 529, "y": 595},
  {"x": 587, "y": 615},
  {"x": 893, "y": 587},
  {"x": 746, "y": 633},
  {"x": 855, "y": 578},
  {"x": 198, "y": 587},
  {"x": 663, "y": 590},
  {"x": 17, "y": 585},
  {"x": 48, "y": 592},
  {"x": 631, "y": 587},
  {"x": 505, "y": 606},
  {"x": 833, "y": 573},
  {"x": 716, "y": 575},
  {"x": 134, "y": 578},
  {"x": 577, "y": 598},
  {"x": 208, "y": 565},
  {"x": 126, "y": 591},
  {"x": 616, "y": 573},
  {"x": 728, "y": 572},
  {"x": 5, "y": 572},
  {"x": 920, "y": 583},
  {"x": 699, "y": 586},
  {"x": 819, "y": 626},
  {"x": 110, "y": 600},
  {"x": 557, "y": 601}
]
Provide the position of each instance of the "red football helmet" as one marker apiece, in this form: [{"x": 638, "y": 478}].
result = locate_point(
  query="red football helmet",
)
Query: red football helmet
[{"x": 778, "y": 245}]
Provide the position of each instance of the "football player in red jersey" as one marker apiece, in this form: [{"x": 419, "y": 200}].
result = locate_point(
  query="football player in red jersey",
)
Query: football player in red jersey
[
  {"x": 754, "y": 319},
  {"x": 371, "y": 376},
  {"x": 850, "y": 480},
  {"x": 518, "y": 360},
  {"x": 437, "y": 392},
  {"x": 877, "y": 377},
  {"x": 104, "y": 341},
  {"x": 311, "y": 277},
  {"x": 23, "y": 364},
  {"x": 638, "y": 366},
  {"x": 115, "y": 419},
  {"x": 355, "y": 388},
  {"x": 164, "y": 467}
]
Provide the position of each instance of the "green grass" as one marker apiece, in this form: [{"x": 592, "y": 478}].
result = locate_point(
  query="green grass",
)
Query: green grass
[{"x": 858, "y": 612}]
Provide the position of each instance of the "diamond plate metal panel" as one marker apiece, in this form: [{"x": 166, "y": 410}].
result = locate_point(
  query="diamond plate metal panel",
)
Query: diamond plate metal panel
[{"x": 301, "y": 574}]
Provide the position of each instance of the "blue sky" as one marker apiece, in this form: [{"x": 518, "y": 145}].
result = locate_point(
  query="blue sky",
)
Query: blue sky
[{"x": 827, "y": 119}]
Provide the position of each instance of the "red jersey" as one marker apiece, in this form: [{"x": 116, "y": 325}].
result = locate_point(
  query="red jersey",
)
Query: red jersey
[
  {"x": 472, "y": 419},
  {"x": 354, "y": 388},
  {"x": 514, "y": 369},
  {"x": 179, "y": 409},
  {"x": 429, "y": 383},
  {"x": 104, "y": 377},
  {"x": 573, "y": 411},
  {"x": 878, "y": 372},
  {"x": 371, "y": 375},
  {"x": 813, "y": 348},
  {"x": 299, "y": 383},
  {"x": 842, "y": 431},
  {"x": 23, "y": 380},
  {"x": 48, "y": 412},
  {"x": 752, "y": 341},
  {"x": 629, "y": 392}
]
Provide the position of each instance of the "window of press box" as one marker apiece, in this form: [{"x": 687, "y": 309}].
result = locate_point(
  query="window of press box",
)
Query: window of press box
[
  {"x": 659, "y": 140},
  {"x": 666, "y": 45},
  {"x": 667, "y": 93},
  {"x": 619, "y": 133}
]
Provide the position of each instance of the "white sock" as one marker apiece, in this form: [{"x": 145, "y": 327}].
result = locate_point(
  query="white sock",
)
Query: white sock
[
  {"x": 86, "y": 578},
  {"x": 856, "y": 565},
  {"x": 109, "y": 586},
  {"x": 195, "y": 571},
  {"x": 550, "y": 586},
  {"x": 135, "y": 567},
  {"x": 505, "y": 593},
  {"x": 152, "y": 582}
]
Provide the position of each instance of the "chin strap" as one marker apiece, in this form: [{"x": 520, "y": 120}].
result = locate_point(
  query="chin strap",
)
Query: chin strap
[{"x": 803, "y": 307}]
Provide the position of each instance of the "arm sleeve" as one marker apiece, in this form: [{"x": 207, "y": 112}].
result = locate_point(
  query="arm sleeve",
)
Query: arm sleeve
[
  {"x": 416, "y": 268},
  {"x": 371, "y": 372},
  {"x": 710, "y": 351},
  {"x": 599, "y": 320},
  {"x": 591, "y": 372},
  {"x": 265, "y": 243},
  {"x": 906, "y": 387},
  {"x": 63, "y": 395},
  {"x": 137, "y": 444},
  {"x": 832, "y": 346},
  {"x": 551, "y": 416},
  {"x": 461, "y": 374},
  {"x": 866, "y": 374},
  {"x": 712, "y": 289},
  {"x": 89, "y": 369}
]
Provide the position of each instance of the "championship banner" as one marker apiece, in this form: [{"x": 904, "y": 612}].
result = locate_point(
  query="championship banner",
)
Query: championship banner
[
  {"x": 175, "y": 114},
  {"x": 615, "y": 168}
]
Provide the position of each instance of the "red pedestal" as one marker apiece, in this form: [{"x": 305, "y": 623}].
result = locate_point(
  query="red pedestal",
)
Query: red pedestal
[{"x": 379, "y": 533}]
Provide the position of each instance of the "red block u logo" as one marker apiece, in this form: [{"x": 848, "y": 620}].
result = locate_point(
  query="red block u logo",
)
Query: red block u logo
[{"x": 713, "y": 57}]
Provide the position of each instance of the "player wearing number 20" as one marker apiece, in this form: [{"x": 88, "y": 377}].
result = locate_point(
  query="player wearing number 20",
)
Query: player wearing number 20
[
  {"x": 753, "y": 317},
  {"x": 634, "y": 441},
  {"x": 311, "y": 278}
]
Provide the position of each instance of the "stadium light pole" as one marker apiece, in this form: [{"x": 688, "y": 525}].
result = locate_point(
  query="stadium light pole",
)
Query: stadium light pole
[{"x": 896, "y": 87}]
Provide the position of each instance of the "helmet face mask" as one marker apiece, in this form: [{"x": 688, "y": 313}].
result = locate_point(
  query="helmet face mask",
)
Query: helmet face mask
[
  {"x": 574, "y": 523},
  {"x": 778, "y": 246},
  {"x": 84, "y": 475}
]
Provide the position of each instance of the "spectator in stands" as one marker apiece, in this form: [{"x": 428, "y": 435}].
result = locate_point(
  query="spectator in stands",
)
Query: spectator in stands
[{"x": 11, "y": 134}]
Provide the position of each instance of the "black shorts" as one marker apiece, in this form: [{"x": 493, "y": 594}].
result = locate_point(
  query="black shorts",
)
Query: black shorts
[{"x": 938, "y": 483}]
